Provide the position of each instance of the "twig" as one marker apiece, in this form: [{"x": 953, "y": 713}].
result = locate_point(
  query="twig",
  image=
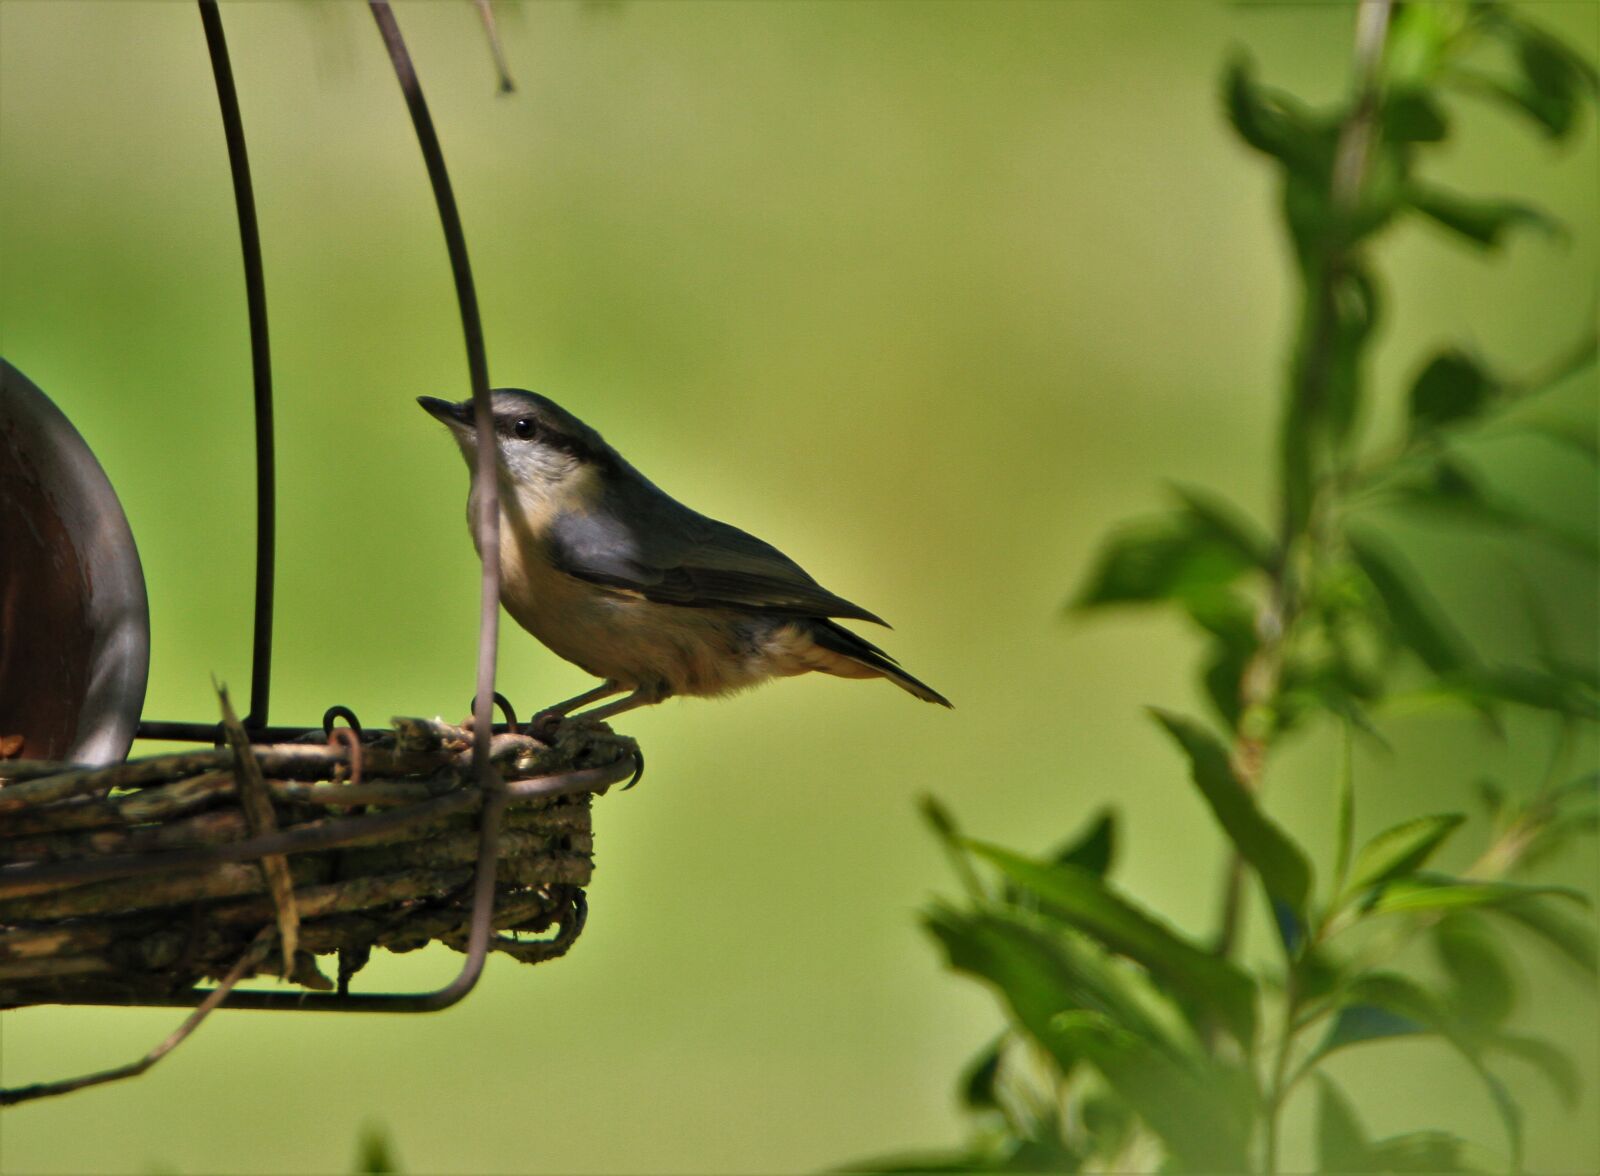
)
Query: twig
[
  {"x": 316, "y": 1002},
  {"x": 257, "y": 806},
  {"x": 486, "y": 13},
  {"x": 252, "y": 957},
  {"x": 224, "y": 826},
  {"x": 49, "y": 789},
  {"x": 33, "y": 879}
]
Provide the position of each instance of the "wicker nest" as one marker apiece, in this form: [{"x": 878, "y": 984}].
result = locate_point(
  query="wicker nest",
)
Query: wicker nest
[{"x": 133, "y": 883}]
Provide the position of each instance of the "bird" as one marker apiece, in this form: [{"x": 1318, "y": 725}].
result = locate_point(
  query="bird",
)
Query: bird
[{"x": 655, "y": 599}]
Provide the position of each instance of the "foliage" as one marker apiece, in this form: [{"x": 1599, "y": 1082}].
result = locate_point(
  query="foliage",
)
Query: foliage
[
  {"x": 375, "y": 1151},
  {"x": 1130, "y": 1045}
]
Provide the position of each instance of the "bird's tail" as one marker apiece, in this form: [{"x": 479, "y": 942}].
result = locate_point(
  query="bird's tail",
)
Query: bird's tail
[{"x": 838, "y": 640}]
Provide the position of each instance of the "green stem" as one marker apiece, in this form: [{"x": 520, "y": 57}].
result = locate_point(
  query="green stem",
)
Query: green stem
[
  {"x": 1303, "y": 497},
  {"x": 1278, "y": 1087}
]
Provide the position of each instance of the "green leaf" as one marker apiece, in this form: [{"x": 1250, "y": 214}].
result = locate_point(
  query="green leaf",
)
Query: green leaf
[
  {"x": 1088, "y": 903},
  {"x": 1419, "y": 37},
  {"x": 1341, "y": 1140},
  {"x": 1108, "y": 1121},
  {"x": 1357, "y": 1023},
  {"x": 1550, "y": 77},
  {"x": 1231, "y": 621},
  {"x": 1436, "y": 892},
  {"x": 980, "y": 1078},
  {"x": 977, "y": 1159},
  {"x": 1420, "y": 1151},
  {"x": 1416, "y": 618},
  {"x": 1220, "y": 678},
  {"x": 1281, "y": 864},
  {"x": 1482, "y": 990},
  {"x": 1338, "y": 687},
  {"x": 1203, "y": 1122},
  {"x": 1217, "y": 518},
  {"x": 1094, "y": 849},
  {"x": 1554, "y": 1063},
  {"x": 1453, "y": 387},
  {"x": 1576, "y": 435},
  {"x": 1319, "y": 973},
  {"x": 1268, "y": 121},
  {"x": 1483, "y": 222},
  {"x": 1492, "y": 796},
  {"x": 938, "y": 817},
  {"x": 1574, "y": 939},
  {"x": 1165, "y": 559},
  {"x": 1563, "y": 694},
  {"x": 1584, "y": 789},
  {"x": 944, "y": 827},
  {"x": 1412, "y": 116},
  {"x": 1386, "y": 1004},
  {"x": 375, "y": 1151},
  {"x": 1452, "y": 490},
  {"x": 1484, "y": 688},
  {"x": 1400, "y": 850},
  {"x": 1043, "y": 969}
]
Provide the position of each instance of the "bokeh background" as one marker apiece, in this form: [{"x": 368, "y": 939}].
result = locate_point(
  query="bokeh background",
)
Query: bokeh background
[{"x": 929, "y": 295}]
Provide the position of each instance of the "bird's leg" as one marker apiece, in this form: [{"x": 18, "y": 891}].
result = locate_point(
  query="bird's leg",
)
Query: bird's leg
[
  {"x": 644, "y": 696},
  {"x": 605, "y": 690},
  {"x": 547, "y": 719}
]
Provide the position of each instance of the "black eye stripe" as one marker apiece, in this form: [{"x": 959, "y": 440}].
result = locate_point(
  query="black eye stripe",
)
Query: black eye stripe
[{"x": 527, "y": 428}]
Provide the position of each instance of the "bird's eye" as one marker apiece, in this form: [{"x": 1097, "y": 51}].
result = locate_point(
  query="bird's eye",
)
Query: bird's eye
[{"x": 525, "y": 428}]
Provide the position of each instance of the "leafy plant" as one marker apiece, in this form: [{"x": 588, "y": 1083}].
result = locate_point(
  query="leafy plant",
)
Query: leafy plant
[{"x": 1131, "y": 1045}]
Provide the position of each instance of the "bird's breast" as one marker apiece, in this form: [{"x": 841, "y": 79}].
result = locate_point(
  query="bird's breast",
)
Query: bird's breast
[{"x": 621, "y": 635}]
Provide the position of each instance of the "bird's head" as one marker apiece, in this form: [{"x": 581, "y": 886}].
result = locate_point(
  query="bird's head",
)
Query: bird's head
[{"x": 543, "y": 452}]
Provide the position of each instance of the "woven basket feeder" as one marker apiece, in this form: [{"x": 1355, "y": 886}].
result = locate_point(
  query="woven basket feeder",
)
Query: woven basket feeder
[{"x": 135, "y": 882}]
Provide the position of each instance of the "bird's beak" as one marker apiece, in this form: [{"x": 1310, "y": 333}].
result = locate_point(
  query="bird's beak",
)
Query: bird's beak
[{"x": 456, "y": 416}]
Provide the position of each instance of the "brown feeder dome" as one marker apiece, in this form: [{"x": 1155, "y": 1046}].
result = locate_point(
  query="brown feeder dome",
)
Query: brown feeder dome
[{"x": 74, "y": 623}]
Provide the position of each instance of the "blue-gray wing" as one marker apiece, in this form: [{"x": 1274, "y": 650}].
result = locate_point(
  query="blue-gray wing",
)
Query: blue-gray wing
[{"x": 645, "y": 542}]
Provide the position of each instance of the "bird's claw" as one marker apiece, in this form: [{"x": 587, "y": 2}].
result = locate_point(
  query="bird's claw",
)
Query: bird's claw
[
  {"x": 638, "y": 771},
  {"x": 544, "y": 725}
]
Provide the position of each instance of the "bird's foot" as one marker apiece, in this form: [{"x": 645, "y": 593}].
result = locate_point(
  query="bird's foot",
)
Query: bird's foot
[{"x": 546, "y": 725}]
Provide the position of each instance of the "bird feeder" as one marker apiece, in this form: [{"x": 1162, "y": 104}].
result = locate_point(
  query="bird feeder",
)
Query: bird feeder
[{"x": 135, "y": 882}]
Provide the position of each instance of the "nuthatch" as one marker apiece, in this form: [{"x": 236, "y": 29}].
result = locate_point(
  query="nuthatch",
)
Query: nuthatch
[{"x": 625, "y": 581}]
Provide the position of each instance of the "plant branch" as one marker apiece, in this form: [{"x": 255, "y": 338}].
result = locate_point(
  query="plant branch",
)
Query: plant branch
[
  {"x": 1279, "y": 1084},
  {"x": 1260, "y": 680}
]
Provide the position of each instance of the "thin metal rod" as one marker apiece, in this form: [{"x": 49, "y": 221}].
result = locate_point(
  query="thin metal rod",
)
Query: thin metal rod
[
  {"x": 260, "y": 366},
  {"x": 486, "y": 522},
  {"x": 485, "y": 488},
  {"x": 161, "y": 730}
]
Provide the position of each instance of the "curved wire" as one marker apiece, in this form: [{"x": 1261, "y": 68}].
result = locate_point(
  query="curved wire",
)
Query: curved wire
[
  {"x": 260, "y": 366},
  {"x": 486, "y": 520}
]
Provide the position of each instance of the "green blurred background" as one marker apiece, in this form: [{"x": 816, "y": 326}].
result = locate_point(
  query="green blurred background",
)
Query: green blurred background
[{"x": 929, "y": 295}]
